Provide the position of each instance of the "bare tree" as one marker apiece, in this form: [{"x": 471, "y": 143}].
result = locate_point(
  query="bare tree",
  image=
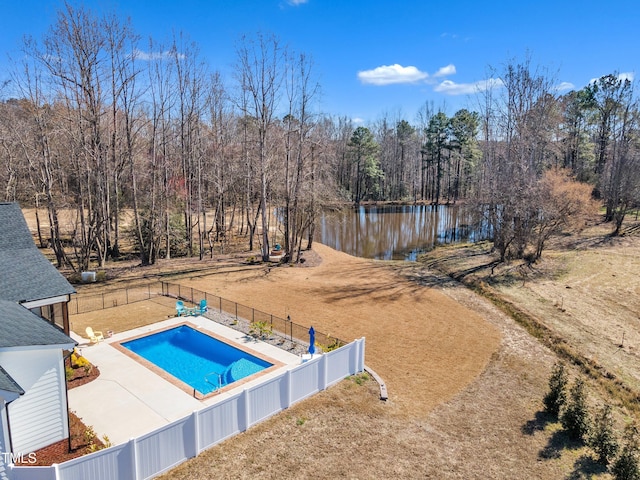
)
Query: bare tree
[
  {"x": 406, "y": 152},
  {"x": 155, "y": 223},
  {"x": 517, "y": 124},
  {"x": 225, "y": 173},
  {"x": 190, "y": 75},
  {"x": 121, "y": 43},
  {"x": 260, "y": 77},
  {"x": 301, "y": 90},
  {"x": 38, "y": 146},
  {"x": 73, "y": 54},
  {"x": 616, "y": 142}
]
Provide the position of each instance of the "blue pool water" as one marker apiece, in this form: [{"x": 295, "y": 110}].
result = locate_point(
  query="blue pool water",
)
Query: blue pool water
[{"x": 197, "y": 359}]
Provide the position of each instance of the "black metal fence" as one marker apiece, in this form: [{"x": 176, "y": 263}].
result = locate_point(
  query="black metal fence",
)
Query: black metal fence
[
  {"x": 89, "y": 303},
  {"x": 254, "y": 318}
]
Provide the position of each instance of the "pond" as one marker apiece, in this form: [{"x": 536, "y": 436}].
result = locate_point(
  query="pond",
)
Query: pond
[{"x": 397, "y": 232}]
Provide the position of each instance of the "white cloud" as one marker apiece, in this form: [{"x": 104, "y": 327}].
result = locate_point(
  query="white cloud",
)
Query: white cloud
[
  {"x": 148, "y": 56},
  {"x": 564, "y": 86},
  {"x": 627, "y": 76},
  {"x": 392, "y": 74},
  {"x": 446, "y": 71},
  {"x": 357, "y": 120},
  {"x": 295, "y": 3},
  {"x": 451, "y": 88},
  {"x": 621, "y": 76}
]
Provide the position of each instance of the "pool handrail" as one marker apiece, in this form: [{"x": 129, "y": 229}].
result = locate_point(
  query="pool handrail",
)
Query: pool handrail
[{"x": 206, "y": 379}]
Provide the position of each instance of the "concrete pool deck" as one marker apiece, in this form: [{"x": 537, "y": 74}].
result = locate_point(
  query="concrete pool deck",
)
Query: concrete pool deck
[{"x": 128, "y": 400}]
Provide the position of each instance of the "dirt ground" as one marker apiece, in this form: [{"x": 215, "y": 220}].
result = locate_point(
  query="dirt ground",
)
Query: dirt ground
[
  {"x": 465, "y": 381},
  {"x": 585, "y": 289},
  {"x": 403, "y": 323}
]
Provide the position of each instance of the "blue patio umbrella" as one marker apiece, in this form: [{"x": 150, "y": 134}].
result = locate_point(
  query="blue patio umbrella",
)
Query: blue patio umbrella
[{"x": 312, "y": 341}]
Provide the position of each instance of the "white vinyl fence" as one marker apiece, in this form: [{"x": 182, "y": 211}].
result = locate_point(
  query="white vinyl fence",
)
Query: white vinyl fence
[{"x": 156, "y": 452}]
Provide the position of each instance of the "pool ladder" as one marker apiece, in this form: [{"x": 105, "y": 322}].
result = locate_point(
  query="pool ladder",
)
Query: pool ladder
[{"x": 206, "y": 379}]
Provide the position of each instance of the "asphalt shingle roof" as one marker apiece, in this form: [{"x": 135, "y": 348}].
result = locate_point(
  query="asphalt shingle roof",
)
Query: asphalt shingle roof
[
  {"x": 8, "y": 384},
  {"x": 20, "y": 328},
  {"x": 26, "y": 275}
]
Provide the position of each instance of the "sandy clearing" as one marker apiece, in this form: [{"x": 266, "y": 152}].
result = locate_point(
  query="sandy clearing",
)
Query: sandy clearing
[{"x": 426, "y": 346}]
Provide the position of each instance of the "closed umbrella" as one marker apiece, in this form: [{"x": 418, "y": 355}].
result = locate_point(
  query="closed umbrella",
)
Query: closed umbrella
[{"x": 312, "y": 341}]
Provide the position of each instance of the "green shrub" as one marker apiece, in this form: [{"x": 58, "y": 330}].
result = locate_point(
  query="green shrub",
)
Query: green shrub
[
  {"x": 90, "y": 437},
  {"x": 332, "y": 344},
  {"x": 74, "y": 278},
  {"x": 556, "y": 396},
  {"x": 626, "y": 466},
  {"x": 603, "y": 440},
  {"x": 361, "y": 378},
  {"x": 260, "y": 329},
  {"x": 575, "y": 419}
]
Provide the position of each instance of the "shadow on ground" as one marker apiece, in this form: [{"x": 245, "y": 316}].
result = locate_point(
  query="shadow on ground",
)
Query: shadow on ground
[
  {"x": 584, "y": 467},
  {"x": 538, "y": 423}
]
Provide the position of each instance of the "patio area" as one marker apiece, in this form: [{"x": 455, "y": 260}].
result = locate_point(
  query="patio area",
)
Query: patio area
[{"x": 128, "y": 399}]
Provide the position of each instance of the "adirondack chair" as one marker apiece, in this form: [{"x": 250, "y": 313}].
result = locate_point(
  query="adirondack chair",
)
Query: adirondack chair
[
  {"x": 202, "y": 308},
  {"x": 180, "y": 310},
  {"x": 94, "y": 336}
]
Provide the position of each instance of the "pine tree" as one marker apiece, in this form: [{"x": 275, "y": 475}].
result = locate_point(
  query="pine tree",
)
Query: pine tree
[
  {"x": 575, "y": 419},
  {"x": 626, "y": 466},
  {"x": 603, "y": 440},
  {"x": 557, "y": 394}
]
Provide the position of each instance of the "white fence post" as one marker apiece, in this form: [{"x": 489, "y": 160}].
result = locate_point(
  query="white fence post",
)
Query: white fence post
[
  {"x": 247, "y": 413},
  {"x": 324, "y": 371},
  {"x": 196, "y": 432},
  {"x": 287, "y": 378},
  {"x": 134, "y": 459}
]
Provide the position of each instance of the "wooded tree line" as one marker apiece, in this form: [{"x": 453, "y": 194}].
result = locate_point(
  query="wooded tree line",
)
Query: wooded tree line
[{"x": 95, "y": 122}]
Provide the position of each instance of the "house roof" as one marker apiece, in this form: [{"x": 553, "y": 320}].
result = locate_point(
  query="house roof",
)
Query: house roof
[
  {"x": 20, "y": 328},
  {"x": 8, "y": 384},
  {"x": 26, "y": 274}
]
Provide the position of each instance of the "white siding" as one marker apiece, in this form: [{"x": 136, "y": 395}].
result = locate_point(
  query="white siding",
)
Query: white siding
[
  {"x": 4, "y": 441},
  {"x": 39, "y": 417}
]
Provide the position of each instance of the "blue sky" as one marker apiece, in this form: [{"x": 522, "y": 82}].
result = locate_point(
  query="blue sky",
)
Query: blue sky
[{"x": 375, "y": 57}]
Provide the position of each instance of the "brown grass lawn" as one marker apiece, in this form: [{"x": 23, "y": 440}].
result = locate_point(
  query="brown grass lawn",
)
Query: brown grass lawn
[{"x": 465, "y": 381}]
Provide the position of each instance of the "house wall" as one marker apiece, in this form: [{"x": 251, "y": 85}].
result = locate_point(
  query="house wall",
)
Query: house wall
[
  {"x": 55, "y": 310},
  {"x": 39, "y": 417},
  {"x": 4, "y": 441}
]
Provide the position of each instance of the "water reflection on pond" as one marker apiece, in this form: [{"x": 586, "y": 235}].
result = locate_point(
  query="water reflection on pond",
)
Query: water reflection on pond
[{"x": 396, "y": 232}]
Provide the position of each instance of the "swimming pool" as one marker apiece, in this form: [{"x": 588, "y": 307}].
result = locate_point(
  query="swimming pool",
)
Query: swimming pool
[{"x": 196, "y": 359}]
